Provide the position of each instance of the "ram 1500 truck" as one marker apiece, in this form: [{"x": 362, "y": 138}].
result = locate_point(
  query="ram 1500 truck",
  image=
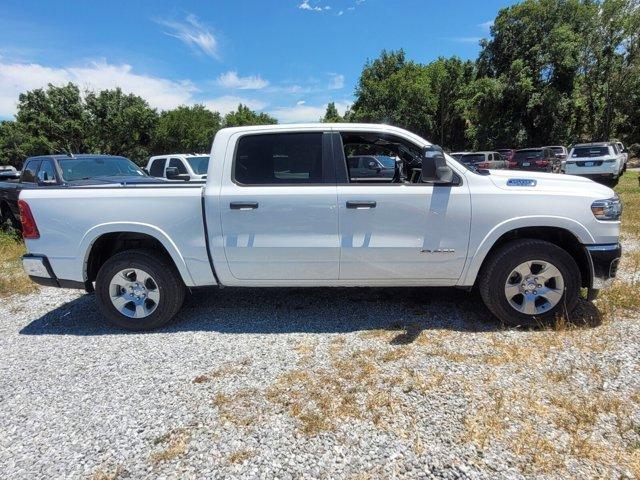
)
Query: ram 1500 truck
[{"x": 281, "y": 208}]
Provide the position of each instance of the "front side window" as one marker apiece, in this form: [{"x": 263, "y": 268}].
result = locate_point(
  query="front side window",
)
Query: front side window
[
  {"x": 281, "y": 158},
  {"x": 157, "y": 167},
  {"x": 177, "y": 163}
]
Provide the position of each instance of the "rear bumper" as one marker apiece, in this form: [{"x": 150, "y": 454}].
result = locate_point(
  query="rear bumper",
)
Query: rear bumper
[
  {"x": 39, "y": 270},
  {"x": 604, "y": 263}
]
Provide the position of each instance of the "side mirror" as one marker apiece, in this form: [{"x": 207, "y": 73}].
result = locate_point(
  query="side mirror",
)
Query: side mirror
[
  {"x": 374, "y": 166},
  {"x": 434, "y": 166},
  {"x": 172, "y": 173}
]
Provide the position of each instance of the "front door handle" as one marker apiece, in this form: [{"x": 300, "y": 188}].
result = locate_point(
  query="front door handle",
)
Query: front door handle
[
  {"x": 360, "y": 205},
  {"x": 243, "y": 205}
]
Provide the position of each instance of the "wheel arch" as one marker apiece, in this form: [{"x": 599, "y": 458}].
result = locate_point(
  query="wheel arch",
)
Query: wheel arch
[
  {"x": 103, "y": 241},
  {"x": 570, "y": 236}
]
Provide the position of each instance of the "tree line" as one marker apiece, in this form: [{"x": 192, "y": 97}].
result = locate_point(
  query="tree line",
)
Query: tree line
[
  {"x": 551, "y": 72},
  {"x": 59, "y": 119}
]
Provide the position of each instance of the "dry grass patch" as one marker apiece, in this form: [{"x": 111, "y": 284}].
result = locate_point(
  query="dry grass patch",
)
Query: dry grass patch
[
  {"x": 108, "y": 474},
  {"x": 226, "y": 370},
  {"x": 240, "y": 456},
  {"x": 175, "y": 444},
  {"x": 12, "y": 277}
]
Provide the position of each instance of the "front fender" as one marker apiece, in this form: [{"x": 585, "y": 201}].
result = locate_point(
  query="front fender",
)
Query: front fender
[
  {"x": 477, "y": 256},
  {"x": 96, "y": 232}
]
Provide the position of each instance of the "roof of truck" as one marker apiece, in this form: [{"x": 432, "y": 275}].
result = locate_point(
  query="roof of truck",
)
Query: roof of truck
[{"x": 64, "y": 156}]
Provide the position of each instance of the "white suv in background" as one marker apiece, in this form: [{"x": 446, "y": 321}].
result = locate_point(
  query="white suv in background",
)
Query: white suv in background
[
  {"x": 598, "y": 161},
  {"x": 179, "y": 166}
]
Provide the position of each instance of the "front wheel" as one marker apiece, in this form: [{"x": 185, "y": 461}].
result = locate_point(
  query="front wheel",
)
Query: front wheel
[
  {"x": 139, "y": 290},
  {"x": 530, "y": 282}
]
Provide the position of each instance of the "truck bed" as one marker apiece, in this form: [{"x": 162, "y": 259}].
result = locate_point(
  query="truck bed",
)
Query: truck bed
[{"x": 71, "y": 219}]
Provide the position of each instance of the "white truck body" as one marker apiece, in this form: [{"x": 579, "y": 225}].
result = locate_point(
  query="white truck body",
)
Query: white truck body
[{"x": 400, "y": 234}]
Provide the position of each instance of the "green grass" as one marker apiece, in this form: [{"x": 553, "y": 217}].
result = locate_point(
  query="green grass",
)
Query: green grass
[
  {"x": 13, "y": 280},
  {"x": 629, "y": 191}
]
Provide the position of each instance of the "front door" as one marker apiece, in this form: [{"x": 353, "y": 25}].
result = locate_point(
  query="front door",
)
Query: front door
[
  {"x": 279, "y": 212},
  {"x": 397, "y": 231}
]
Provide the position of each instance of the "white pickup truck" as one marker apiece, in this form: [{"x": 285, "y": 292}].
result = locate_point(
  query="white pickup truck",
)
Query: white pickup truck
[{"x": 281, "y": 208}]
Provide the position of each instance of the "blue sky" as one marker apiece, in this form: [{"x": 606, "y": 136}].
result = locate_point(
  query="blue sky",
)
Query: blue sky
[{"x": 285, "y": 57}]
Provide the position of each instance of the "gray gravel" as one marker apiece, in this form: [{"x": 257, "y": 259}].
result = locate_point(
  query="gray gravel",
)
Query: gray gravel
[{"x": 214, "y": 395}]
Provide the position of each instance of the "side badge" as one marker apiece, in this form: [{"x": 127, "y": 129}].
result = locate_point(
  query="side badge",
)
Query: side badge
[{"x": 521, "y": 182}]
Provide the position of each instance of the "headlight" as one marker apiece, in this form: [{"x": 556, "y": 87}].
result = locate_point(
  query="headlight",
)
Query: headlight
[{"x": 609, "y": 209}]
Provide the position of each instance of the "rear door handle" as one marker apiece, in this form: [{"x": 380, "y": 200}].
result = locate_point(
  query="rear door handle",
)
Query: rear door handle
[
  {"x": 243, "y": 205},
  {"x": 360, "y": 205}
]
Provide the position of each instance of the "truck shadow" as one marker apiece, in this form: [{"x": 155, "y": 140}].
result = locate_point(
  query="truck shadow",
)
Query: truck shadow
[{"x": 312, "y": 310}]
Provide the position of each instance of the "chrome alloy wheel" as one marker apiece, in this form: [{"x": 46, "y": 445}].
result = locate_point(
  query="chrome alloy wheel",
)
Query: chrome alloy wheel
[
  {"x": 534, "y": 287},
  {"x": 134, "y": 293}
]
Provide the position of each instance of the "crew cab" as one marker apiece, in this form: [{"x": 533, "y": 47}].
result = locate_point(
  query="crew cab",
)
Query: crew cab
[
  {"x": 281, "y": 208},
  {"x": 598, "y": 161},
  {"x": 49, "y": 171},
  {"x": 179, "y": 166}
]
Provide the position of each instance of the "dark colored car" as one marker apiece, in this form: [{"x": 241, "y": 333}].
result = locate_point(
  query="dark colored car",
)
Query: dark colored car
[
  {"x": 371, "y": 167},
  {"x": 537, "y": 159},
  {"x": 507, "y": 154},
  {"x": 64, "y": 170}
]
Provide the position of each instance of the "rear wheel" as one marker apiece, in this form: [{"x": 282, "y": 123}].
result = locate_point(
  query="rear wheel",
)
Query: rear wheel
[
  {"x": 530, "y": 282},
  {"x": 139, "y": 290}
]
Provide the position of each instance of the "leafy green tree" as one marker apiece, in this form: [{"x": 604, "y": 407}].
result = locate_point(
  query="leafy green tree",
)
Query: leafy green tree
[
  {"x": 55, "y": 118},
  {"x": 331, "y": 115},
  {"x": 120, "y": 124},
  {"x": 16, "y": 144},
  {"x": 186, "y": 129},
  {"x": 245, "y": 116}
]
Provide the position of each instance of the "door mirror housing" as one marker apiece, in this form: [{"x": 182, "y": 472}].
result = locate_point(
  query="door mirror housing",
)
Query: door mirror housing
[
  {"x": 172, "y": 174},
  {"x": 434, "y": 166}
]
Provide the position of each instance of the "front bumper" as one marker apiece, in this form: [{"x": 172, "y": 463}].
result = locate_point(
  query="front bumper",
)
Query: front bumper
[
  {"x": 39, "y": 270},
  {"x": 604, "y": 261}
]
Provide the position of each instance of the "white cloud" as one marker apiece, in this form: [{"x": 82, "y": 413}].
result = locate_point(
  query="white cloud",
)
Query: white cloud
[
  {"x": 232, "y": 80},
  {"x": 228, "y": 103},
  {"x": 305, "y": 5},
  {"x": 193, "y": 34},
  {"x": 305, "y": 113},
  {"x": 336, "y": 82},
  {"x": 340, "y": 13},
  {"x": 466, "y": 39},
  {"x": 16, "y": 78},
  {"x": 300, "y": 102},
  {"x": 486, "y": 26}
]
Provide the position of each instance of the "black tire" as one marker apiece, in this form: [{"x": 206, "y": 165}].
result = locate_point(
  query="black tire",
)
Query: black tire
[
  {"x": 169, "y": 285},
  {"x": 497, "y": 269}
]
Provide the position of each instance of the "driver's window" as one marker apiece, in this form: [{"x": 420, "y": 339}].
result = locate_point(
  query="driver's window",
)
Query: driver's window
[
  {"x": 177, "y": 163},
  {"x": 379, "y": 158}
]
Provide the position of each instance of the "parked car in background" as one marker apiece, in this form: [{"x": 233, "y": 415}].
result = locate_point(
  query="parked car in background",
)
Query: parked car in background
[
  {"x": 507, "y": 154},
  {"x": 65, "y": 170},
  {"x": 537, "y": 159},
  {"x": 625, "y": 154},
  {"x": 599, "y": 161},
  {"x": 457, "y": 155},
  {"x": 282, "y": 211},
  {"x": 8, "y": 172},
  {"x": 484, "y": 160},
  {"x": 371, "y": 167},
  {"x": 179, "y": 166},
  {"x": 561, "y": 154}
]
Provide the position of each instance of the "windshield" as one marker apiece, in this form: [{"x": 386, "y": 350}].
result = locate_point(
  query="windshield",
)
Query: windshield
[
  {"x": 86, "y": 168},
  {"x": 473, "y": 158},
  {"x": 557, "y": 149},
  {"x": 199, "y": 165},
  {"x": 387, "y": 162},
  {"x": 589, "y": 152},
  {"x": 527, "y": 154}
]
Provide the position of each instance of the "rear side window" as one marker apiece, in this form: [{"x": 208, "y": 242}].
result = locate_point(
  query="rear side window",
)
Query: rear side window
[
  {"x": 282, "y": 158},
  {"x": 29, "y": 171},
  {"x": 177, "y": 163},
  {"x": 157, "y": 167},
  {"x": 46, "y": 172}
]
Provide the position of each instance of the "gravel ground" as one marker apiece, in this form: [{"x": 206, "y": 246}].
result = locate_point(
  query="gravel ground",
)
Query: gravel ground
[{"x": 322, "y": 383}]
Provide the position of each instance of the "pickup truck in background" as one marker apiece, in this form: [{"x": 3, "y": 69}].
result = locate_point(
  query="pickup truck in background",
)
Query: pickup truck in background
[
  {"x": 49, "y": 171},
  {"x": 281, "y": 208},
  {"x": 8, "y": 172},
  {"x": 179, "y": 166}
]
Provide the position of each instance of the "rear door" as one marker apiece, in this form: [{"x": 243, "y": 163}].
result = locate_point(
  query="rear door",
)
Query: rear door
[
  {"x": 156, "y": 169},
  {"x": 279, "y": 208},
  {"x": 399, "y": 232}
]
